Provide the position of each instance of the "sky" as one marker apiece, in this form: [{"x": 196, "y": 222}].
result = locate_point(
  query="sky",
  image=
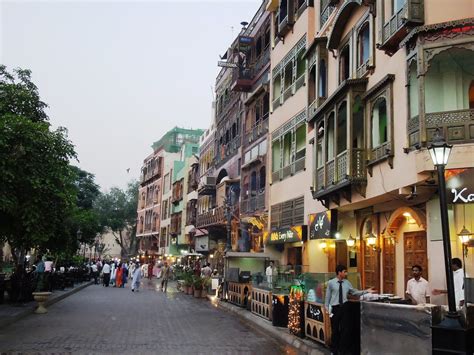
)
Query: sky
[{"x": 118, "y": 74}]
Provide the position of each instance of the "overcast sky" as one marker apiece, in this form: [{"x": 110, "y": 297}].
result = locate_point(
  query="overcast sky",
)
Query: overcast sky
[{"x": 118, "y": 75}]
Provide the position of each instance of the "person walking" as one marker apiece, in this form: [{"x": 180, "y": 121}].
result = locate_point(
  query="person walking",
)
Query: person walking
[
  {"x": 118, "y": 275},
  {"x": 136, "y": 278},
  {"x": 113, "y": 273},
  {"x": 165, "y": 275},
  {"x": 150, "y": 270},
  {"x": 336, "y": 301},
  {"x": 106, "y": 274},
  {"x": 458, "y": 278},
  {"x": 124, "y": 274},
  {"x": 95, "y": 272}
]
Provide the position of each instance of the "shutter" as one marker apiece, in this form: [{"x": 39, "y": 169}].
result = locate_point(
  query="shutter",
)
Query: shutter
[{"x": 298, "y": 211}]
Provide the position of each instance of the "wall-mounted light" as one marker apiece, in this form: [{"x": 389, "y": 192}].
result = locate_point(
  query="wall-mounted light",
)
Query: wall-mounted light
[
  {"x": 337, "y": 235},
  {"x": 350, "y": 241},
  {"x": 323, "y": 244},
  {"x": 371, "y": 239}
]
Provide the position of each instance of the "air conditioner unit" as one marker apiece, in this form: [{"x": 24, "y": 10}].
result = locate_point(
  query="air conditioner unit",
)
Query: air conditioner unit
[{"x": 209, "y": 180}]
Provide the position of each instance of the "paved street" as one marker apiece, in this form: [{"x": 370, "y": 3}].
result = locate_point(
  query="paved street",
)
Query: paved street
[{"x": 117, "y": 321}]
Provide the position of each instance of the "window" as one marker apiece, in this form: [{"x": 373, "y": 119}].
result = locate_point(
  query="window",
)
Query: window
[
  {"x": 363, "y": 41},
  {"x": 253, "y": 183},
  {"x": 342, "y": 128},
  {"x": 288, "y": 75},
  {"x": 344, "y": 64},
  {"x": 319, "y": 144},
  {"x": 283, "y": 10},
  {"x": 397, "y": 5},
  {"x": 300, "y": 142},
  {"x": 300, "y": 65},
  {"x": 276, "y": 155},
  {"x": 262, "y": 178},
  {"x": 322, "y": 87},
  {"x": 330, "y": 138},
  {"x": 379, "y": 122},
  {"x": 287, "y": 149},
  {"x": 276, "y": 87},
  {"x": 358, "y": 124}
]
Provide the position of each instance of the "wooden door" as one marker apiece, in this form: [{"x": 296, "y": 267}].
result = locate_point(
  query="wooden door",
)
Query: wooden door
[
  {"x": 295, "y": 257},
  {"x": 389, "y": 265},
  {"x": 337, "y": 255},
  {"x": 371, "y": 266},
  {"x": 415, "y": 253}
]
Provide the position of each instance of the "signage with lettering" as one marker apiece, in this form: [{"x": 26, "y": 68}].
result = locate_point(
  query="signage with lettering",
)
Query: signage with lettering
[
  {"x": 286, "y": 235},
  {"x": 315, "y": 312},
  {"x": 460, "y": 186},
  {"x": 322, "y": 225},
  {"x": 226, "y": 64}
]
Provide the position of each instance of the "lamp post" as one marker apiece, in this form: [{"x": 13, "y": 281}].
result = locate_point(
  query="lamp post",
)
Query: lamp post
[{"x": 440, "y": 151}]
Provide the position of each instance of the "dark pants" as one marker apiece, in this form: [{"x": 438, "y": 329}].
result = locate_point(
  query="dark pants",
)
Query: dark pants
[
  {"x": 106, "y": 279},
  {"x": 164, "y": 285},
  {"x": 341, "y": 337}
]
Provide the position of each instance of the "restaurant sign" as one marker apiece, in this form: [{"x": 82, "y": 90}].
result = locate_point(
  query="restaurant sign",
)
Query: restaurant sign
[
  {"x": 322, "y": 225},
  {"x": 460, "y": 186},
  {"x": 286, "y": 235}
]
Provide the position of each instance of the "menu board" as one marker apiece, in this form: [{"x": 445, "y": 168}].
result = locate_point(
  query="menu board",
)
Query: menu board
[{"x": 315, "y": 312}]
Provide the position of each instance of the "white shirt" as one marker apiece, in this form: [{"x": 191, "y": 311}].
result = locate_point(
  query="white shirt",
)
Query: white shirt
[
  {"x": 418, "y": 290},
  {"x": 269, "y": 271},
  {"x": 106, "y": 269},
  {"x": 458, "y": 286},
  {"x": 94, "y": 268},
  {"x": 48, "y": 266}
]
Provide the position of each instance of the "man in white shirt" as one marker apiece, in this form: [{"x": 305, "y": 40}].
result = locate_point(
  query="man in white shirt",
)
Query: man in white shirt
[
  {"x": 418, "y": 289},
  {"x": 269, "y": 274},
  {"x": 106, "y": 274},
  {"x": 95, "y": 272},
  {"x": 458, "y": 275}
]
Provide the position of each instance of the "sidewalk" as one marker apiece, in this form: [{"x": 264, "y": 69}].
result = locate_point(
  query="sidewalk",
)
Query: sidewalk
[
  {"x": 10, "y": 313},
  {"x": 302, "y": 345}
]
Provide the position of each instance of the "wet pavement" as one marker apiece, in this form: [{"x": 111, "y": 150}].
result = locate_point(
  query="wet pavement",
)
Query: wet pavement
[{"x": 100, "y": 320}]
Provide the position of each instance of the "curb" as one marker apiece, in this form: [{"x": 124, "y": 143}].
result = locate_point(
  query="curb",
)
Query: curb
[
  {"x": 303, "y": 346},
  {"x": 29, "y": 309}
]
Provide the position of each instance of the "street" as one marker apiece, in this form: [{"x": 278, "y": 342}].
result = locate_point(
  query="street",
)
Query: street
[{"x": 117, "y": 321}]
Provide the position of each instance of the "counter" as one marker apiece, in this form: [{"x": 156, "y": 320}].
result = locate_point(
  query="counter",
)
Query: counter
[
  {"x": 262, "y": 302},
  {"x": 397, "y": 328}
]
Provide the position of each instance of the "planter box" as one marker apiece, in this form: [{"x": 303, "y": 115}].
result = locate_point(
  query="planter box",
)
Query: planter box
[{"x": 197, "y": 293}]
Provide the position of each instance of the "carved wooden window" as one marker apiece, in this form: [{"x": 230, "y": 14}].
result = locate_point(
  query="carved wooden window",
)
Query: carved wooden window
[
  {"x": 341, "y": 141},
  {"x": 322, "y": 85},
  {"x": 262, "y": 179},
  {"x": 363, "y": 44},
  {"x": 379, "y": 123},
  {"x": 344, "y": 63},
  {"x": 330, "y": 138}
]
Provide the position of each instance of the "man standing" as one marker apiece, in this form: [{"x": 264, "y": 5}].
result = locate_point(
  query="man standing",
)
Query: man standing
[
  {"x": 206, "y": 271},
  {"x": 165, "y": 275},
  {"x": 106, "y": 274},
  {"x": 336, "y": 296},
  {"x": 458, "y": 275},
  {"x": 418, "y": 289},
  {"x": 136, "y": 277},
  {"x": 269, "y": 274},
  {"x": 95, "y": 272}
]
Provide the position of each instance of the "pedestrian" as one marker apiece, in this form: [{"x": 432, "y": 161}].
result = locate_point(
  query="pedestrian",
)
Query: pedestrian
[
  {"x": 118, "y": 275},
  {"x": 106, "y": 274},
  {"x": 458, "y": 276},
  {"x": 136, "y": 278},
  {"x": 124, "y": 274},
  {"x": 336, "y": 298},
  {"x": 269, "y": 274},
  {"x": 206, "y": 271},
  {"x": 95, "y": 272},
  {"x": 113, "y": 273},
  {"x": 39, "y": 270},
  {"x": 150, "y": 270},
  {"x": 165, "y": 274},
  {"x": 418, "y": 289}
]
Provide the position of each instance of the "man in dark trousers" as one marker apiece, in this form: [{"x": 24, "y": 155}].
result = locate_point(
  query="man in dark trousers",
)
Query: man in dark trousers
[{"x": 336, "y": 295}]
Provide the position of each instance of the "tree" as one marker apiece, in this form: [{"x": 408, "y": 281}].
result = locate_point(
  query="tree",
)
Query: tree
[
  {"x": 37, "y": 191},
  {"x": 118, "y": 212}
]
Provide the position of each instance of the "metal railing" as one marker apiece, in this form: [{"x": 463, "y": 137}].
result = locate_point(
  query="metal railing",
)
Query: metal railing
[{"x": 257, "y": 130}]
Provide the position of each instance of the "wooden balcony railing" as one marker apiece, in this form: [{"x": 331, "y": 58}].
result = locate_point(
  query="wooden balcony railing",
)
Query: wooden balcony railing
[
  {"x": 253, "y": 203},
  {"x": 256, "y": 131},
  {"x": 288, "y": 170},
  {"x": 214, "y": 217}
]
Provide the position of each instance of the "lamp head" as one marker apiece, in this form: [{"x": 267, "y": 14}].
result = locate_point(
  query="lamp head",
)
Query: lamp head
[{"x": 439, "y": 149}]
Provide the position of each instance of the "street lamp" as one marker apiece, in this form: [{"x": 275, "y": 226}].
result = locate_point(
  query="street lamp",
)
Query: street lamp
[{"x": 440, "y": 151}]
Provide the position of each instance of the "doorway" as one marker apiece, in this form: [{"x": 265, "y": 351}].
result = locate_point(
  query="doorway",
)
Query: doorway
[
  {"x": 415, "y": 253},
  {"x": 295, "y": 257},
  {"x": 389, "y": 265},
  {"x": 337, "y": 255}
]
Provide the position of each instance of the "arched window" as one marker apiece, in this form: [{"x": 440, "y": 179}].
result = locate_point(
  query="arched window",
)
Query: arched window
[
  {"x": 246, "y": 186},
  {"x": 234, "y": 130},
  {"x": 342, "y": 128},
  {"x": 344, "y": 64},
  {"x": 322, "y": 92},
  {"x": 312, "y": 85},
  {"x": 262, "y": 179},
  {"x": 363, "y": 44},
  {"x": 379, "y": 122},
  {"x": 358, "y": 123},
  {"x": 330, "y": 138},
  {"x": 253, "y": 182},
  {"x": 319, "y": 144}
]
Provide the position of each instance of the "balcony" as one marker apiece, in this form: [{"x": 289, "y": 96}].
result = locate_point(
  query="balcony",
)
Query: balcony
[
  {"x": 214, "y": 217},
  {"x": 256, "y": 131},
  {"x": 456, "y": 126},
  {"x": 400, "y": 24},
  {"x": 286, "y": 17},
  {"x": 241, "y": 79},
  {"x": 289, "y": 170},
  {"x": 253, "y": 203},
  {"x": 156, "y": 172},
  {"x": 327, "y": 8},
  {"x": 227, "y": 151},
  {"x": 207, "y": 186},
  {"x": 347, "y": 169}
]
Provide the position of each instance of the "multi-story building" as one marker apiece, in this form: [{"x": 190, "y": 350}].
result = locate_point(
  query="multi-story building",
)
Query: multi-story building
[
  {"x": 155, "y": 192},
  {"x": 383, "y": 77}
]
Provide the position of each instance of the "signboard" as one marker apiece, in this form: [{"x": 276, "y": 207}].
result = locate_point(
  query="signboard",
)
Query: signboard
[
  {"x": 323, "y": 225},
  {"x": 315, "y": 312},
  {"x": 286, "y": 235},
  {"x": 226, "y": 64},
  {"x": 201, "y": 244},
  {"x": 460, "y": 186}
]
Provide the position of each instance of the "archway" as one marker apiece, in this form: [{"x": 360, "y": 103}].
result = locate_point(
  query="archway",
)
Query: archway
[{"x": 222, "y": 174}]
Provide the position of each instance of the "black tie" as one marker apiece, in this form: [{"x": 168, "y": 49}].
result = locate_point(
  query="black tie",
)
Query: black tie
[{"x": 340, "y": 292}]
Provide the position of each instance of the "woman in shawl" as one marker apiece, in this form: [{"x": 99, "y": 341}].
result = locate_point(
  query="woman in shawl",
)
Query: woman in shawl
[
  {"x": 118, "y": 276},
  {"x": 124, "y": 274},
  {"x": 136, "y": 278},
  {"x": 113, "y": 271}
]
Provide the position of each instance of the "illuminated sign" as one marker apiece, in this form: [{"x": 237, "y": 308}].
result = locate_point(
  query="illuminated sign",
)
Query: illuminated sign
[
  {"x": 322, "y": 225},
  {"x": 286, "y": 235},
  {"x": 460, "y": 185}
]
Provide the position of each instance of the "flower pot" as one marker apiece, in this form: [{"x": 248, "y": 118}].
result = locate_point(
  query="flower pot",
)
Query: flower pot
[
  {"x": 41, "y": 298},
  {"x": 197, "y": 293},
  {"x": 203, "y": 293},
  {"x": 189, "y": 290}
]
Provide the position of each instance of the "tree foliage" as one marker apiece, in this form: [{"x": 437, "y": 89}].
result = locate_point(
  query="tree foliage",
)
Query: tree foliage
[{"x": 118, "y": 212}]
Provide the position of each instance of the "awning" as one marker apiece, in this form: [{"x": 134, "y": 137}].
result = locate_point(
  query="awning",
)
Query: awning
[
  {"x": 197, "y": 232},
  {"x": 237, "y": 254}
]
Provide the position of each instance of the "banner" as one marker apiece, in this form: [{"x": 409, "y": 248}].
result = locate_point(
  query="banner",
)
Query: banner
[
  {"x": 322, "y": 225},
  {"x": 286, "y": 235},
  {"x": 460, "y": 186}
]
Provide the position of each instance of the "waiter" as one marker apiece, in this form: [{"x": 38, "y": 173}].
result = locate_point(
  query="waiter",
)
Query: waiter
[{"x": 336, "y": 295}]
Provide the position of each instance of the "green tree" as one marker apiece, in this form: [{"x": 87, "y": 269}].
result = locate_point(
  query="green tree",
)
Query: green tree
[
  {"x": 37, "y": 191},
  {"x": 118, "y": 213}
]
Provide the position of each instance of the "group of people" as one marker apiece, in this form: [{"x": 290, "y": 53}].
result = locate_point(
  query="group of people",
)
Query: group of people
[{"x": 417, "y": 290}]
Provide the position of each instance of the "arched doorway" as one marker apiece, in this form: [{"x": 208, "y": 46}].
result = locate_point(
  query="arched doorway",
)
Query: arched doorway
[
  {"x": 370, "y": 256},
  {"x": 414, "y": 245},
  {"x": 222, "y": 174}
]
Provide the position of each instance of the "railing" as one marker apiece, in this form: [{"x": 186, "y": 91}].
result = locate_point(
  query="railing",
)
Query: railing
[
  {"x": 253, "y": 203},
  {"x": 326, "y": 11},
  {"x": 455, "y": 125},
  {"x": 288, "y": 92},
  {"x": 299, "y": 82},
  {"x": 257, "y": 130},
  {"x": 288, "y": 170},
  {"x": 341, "y": 169},
  {"x": 228, "y": 151},
  {"x": 395, "y": 23},
  {"x": 215, "y": 216},
  {"x": 276, "y": 103},
  {"x": 380, "y": 152},
  {"x": 151, "y": 174}
]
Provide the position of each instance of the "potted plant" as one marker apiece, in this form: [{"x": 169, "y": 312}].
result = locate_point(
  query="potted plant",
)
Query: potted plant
[
  {"x": 188, "y": 283},
  {"x": 206, "y": 282},
  {"x": 197, "y": 285}
]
